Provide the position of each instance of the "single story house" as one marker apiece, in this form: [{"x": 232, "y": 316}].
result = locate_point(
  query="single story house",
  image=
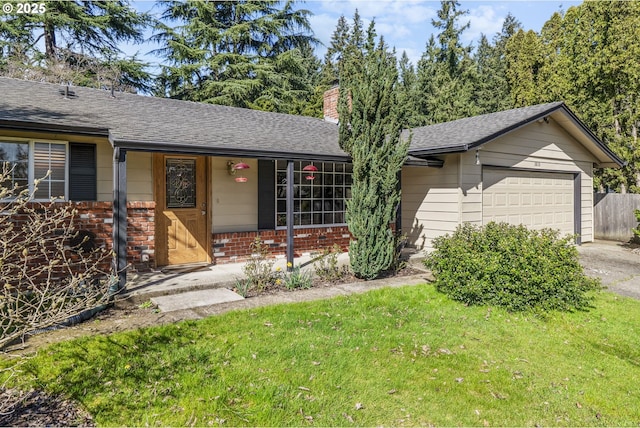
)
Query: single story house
[{"x": 170, "y": 182}]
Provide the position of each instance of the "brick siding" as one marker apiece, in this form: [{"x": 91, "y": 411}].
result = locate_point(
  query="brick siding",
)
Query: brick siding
[
  {"x": 97, "y": 218},
  {"x": 234, "y": 246}
]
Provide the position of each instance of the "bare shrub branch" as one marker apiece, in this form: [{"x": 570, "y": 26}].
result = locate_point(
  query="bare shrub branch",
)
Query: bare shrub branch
[{"x": 50, "y": 271}]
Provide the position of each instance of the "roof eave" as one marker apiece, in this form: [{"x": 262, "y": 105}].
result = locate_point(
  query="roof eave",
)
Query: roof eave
[
  {"x": 461, "y": 148},
  {"x": 163, "y": 147},
  {"x": 617, "y": 162},
  {"x": 17, "y": 125}
]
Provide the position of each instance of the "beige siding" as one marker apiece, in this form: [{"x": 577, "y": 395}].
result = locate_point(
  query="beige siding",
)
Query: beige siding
[
  {"x": 541, "y": 146},
  {"x": 139, "y": 174},
  {"x": 436, "y": 201},
  {"x": 105, "y": 172},
  {"x": 234, "y": 205},
  {"x": 430, "y": 201}
]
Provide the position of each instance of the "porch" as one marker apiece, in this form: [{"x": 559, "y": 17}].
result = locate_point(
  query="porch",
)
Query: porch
[{"x": 144, "y": 286}]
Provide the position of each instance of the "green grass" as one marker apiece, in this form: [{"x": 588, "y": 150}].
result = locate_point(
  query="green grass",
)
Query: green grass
[{"x": 405, "y": 356}]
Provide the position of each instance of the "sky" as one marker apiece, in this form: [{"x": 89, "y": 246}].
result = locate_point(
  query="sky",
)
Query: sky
[{"x": 406, "y": 24}]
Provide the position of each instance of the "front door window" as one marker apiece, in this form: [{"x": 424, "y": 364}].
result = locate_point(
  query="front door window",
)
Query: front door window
[{"x": 181, "y": 183}]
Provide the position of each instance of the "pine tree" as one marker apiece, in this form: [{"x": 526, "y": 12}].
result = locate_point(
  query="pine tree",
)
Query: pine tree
[
  {"x": 492, "y": 88},
  {"x": 241, "y": 53},
  {"x": 81, "y": 44},
  {"x": 335, "y": 52},
  {"x": 408, "y": 95},
  {"x": 446, "y": 72},
  {"x": 524, "y": 59},
  {"x": 370, "y": 131}
]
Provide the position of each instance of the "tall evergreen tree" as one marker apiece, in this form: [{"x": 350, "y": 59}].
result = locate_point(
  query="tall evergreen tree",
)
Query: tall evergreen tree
[
  {"x": 492, "y": 88},
  {"x": 81, "y": 43},
  {"x": 524, "y": 59},
  {"x": 408, "y": 95},
  {"x": 588, "y": 58},
  {"x": 370, "y": 131},
  {"x": 235, "y": 52},
  {"x": 601, "y": 44},
  {"x": 446, "y": 72},
  {"x": 335, "y": 52}
]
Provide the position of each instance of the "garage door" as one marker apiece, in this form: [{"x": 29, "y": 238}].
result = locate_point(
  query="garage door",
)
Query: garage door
[{"x": 535, "y": 199}]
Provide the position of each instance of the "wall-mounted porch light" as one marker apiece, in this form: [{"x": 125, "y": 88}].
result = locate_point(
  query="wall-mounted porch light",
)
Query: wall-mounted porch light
[
  {"x": 233, "y": 167},
  {"x": 477, "y": 157},
  {"x": 310, "y": 169}
]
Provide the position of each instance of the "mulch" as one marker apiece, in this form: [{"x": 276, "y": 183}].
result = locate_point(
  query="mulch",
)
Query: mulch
[{"x": 36, "y": 408}]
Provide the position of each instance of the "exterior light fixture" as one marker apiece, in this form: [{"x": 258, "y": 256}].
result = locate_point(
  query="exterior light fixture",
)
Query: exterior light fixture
[
  {"x": 311, "y": 169},
  {"x": 233, "y": 167},
  {"x": 477, "y": 157}
]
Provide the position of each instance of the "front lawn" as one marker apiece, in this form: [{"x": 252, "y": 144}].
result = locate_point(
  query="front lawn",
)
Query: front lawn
[{"x": 406, "y": 356}]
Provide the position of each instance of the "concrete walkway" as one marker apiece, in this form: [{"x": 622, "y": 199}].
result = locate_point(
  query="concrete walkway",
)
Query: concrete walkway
[
  {"x": 199, "y": 285},
  {"x": 206, "y": 286}
]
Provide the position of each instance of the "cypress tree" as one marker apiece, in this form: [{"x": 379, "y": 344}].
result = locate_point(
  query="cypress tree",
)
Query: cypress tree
[{"x": 370, "y": 131}]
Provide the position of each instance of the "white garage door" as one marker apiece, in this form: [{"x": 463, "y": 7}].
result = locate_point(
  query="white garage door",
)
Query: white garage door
[{"x": 534, "y": 199}]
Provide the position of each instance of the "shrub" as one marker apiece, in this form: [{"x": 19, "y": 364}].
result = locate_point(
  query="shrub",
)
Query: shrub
[
  {"x": 636, "y": 230},
  {"x": 49, "y": 274},
  {"x": 258, "y": 269},
  {"x": 510, "y": 266},
  {"x": 326, "y": 266}
]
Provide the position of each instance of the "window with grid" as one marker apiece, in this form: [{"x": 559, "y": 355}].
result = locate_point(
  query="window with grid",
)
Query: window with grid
[
  {"x": 320, "y": 200},
  {"x": 49, "y": 166},
  {"x": 47, "y": 162}
]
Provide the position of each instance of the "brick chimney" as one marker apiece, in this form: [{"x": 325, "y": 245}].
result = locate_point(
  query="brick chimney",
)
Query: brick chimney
[{"x": 330, "y": 104}]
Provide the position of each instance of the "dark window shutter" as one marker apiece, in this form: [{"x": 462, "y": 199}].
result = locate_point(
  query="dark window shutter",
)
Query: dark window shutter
[
  {"x": 82, "y": 172},
  {"x": 266, "y": 194}
]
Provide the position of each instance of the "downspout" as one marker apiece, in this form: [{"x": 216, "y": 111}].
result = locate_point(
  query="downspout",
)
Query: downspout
[
  {"x": 460, "y": 195},
  {"x": 120, "y": 216},
  {"x": 289, "y": 215}
]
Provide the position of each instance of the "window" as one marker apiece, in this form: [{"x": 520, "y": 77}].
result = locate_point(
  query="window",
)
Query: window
[
  {"x": 50, "y": 157},
  {"x": 320, "y": 201},
  {"x": 64, "y": 170},
  {"x": 16, "y": 156}
]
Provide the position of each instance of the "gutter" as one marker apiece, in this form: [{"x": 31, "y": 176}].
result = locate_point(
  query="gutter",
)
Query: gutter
[
  {"x": 146, "y": 146},
  {"x": 16, "y": 125}
]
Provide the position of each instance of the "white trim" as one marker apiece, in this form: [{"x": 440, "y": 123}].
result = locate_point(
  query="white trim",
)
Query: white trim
[{"x": 31, "y": 163}]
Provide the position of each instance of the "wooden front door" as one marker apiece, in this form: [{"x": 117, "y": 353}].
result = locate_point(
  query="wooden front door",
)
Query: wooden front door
[{"x": 182, "y": 214}]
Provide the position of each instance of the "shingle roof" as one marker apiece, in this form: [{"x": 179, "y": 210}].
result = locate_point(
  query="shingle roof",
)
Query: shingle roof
[
  {"x": 161, "y": 124},
  {"x": 464, "y": 134},
  {"x": 157, "y": 123}
]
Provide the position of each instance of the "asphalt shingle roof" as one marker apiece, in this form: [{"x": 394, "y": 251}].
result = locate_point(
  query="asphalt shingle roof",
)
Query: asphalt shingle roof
[
  {"x": 161, "y": 124},
  {"x": 148, "y": 122},
  {"x": 464, "y": 134}
]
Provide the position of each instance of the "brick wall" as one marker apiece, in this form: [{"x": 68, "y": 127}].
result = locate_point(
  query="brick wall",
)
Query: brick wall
[
  {"x": 97, "y": 217},
  {"x": 234, "y": 246}
]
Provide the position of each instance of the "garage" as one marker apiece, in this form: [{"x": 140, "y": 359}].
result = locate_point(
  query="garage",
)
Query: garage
[{"x": 532, "y": 198}]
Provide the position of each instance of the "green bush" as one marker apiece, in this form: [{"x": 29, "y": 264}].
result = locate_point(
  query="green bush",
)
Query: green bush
[
  {"x": 511, "y": 266},
  {"x": 636, "y": 230},
  {"x": 326, "y": 266}
]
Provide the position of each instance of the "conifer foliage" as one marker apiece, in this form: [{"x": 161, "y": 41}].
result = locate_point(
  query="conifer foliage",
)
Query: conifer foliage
[{"x": 370, "y": 131}]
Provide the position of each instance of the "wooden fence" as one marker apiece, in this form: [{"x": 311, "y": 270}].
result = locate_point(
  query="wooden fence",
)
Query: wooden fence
[{"x": 613, "y": 215}]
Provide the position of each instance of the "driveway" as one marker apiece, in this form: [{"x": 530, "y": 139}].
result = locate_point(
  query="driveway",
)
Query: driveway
[{"x": 616, "y": 263}]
